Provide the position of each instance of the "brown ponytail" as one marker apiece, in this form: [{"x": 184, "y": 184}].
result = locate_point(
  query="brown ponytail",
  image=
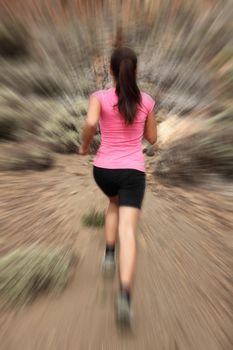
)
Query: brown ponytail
[{"x": 123, "y": 65}]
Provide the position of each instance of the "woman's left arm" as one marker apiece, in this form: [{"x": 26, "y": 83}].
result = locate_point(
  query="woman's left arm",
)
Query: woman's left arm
[{"x": 90, "y": 126}]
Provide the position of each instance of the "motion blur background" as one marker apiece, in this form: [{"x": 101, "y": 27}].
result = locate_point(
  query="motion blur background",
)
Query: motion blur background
[{"x": 53, "y": 54}]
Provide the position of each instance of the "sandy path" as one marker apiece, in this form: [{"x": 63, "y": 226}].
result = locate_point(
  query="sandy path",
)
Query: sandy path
[{"x": 183, "y": 299}]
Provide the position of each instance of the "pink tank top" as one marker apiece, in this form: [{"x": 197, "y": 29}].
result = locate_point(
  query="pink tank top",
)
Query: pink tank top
[{"x": 121, "y": 144}]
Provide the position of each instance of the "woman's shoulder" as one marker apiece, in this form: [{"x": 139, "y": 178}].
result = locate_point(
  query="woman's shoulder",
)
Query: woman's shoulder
[
  {"x": 99, "y": 94},
  {"x": 147, "y": 101},
  {"x": 146, "y": 96}
]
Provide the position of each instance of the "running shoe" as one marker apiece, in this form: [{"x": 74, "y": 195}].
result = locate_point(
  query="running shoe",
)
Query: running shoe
[
  {"x": 108, "y": 265},
  {"x": 124, "y": 313}
]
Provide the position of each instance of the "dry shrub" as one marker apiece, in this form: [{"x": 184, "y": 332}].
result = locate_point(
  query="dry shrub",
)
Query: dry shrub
[
  {"x": 62, "y": 132},
  {"x": 26, "y": 159},
  {"x": 27, "y": 272},
  {"x": 14, "y": 40},
  {"x": 77, "y": 107},
  {"x": 46, "y": 87},
  {"x": 95, "y": 144},
  {"x": 9, "y": 98},
  {"x": 174, "y": 128},
  {"x": 11, "y": 124},
  {"x": 194, "y": 155},
  {"x": 19, "y": 118}
]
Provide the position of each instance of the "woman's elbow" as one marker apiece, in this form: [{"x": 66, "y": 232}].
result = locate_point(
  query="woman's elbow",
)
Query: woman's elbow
[
  {"x": 91, "y": 124},
  {"x": 152, "y": 139}
]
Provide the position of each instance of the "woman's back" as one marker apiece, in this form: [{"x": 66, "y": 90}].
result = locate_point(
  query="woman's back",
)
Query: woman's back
[{"x": 121, "y": 143}]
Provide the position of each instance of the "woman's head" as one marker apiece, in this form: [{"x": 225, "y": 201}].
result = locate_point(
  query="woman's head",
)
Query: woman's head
[{"x": 123, "y": 67}]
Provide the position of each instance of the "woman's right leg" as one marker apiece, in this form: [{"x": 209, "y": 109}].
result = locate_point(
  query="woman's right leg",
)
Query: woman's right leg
[{"x": 128, "y": 221}]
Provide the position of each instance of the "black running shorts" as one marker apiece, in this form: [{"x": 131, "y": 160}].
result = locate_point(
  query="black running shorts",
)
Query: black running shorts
[{"x": 127, "y": 184}]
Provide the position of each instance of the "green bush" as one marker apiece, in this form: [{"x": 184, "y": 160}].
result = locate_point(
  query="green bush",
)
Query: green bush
[
  {"x": 27, "y": 272},
  {"x": 94, "y": 218}
]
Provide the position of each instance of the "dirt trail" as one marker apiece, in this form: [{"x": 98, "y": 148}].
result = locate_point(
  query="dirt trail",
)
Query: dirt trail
[{"x": 182, "y": 301}]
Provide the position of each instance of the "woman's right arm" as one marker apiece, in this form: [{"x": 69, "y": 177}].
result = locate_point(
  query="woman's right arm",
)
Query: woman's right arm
[
  {"x": 150, "y": 129},
  {"x": 91, "y": 122}
]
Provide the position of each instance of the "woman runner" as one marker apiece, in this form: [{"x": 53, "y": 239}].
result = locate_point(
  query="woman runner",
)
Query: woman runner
[{"x": 125, "y": 116}]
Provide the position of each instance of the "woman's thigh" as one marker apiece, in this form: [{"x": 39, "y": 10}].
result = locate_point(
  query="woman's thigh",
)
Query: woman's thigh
[
  {"x": 132, "y": 189},
  {"x": 104, "y": 178},
  {"x": 128, "y": 220}
]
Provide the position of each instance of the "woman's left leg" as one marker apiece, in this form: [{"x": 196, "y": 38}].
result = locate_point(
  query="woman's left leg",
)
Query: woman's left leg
[
  {"x": 111, "y": 233},
  {"x": 111, "y": 221}
]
